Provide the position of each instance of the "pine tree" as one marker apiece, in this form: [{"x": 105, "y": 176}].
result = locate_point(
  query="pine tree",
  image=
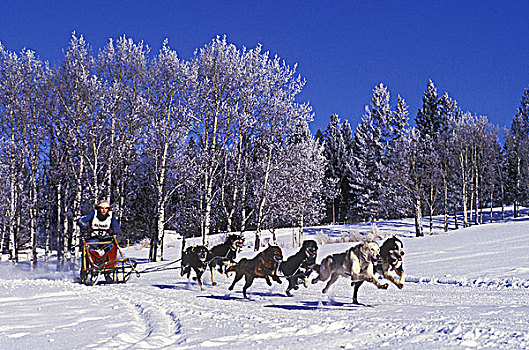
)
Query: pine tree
[
  {"x": 516, "y": 150},
  {"x": 337, "y": 145},
  {"x": 365, "y": 171}
]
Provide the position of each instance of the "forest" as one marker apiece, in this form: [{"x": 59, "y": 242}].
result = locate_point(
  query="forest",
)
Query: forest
[{"x": 221, "y": 143}]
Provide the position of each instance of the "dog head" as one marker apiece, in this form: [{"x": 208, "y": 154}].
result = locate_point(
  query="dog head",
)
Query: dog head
[
  {"x": 371, "y": 252},
  {"x": 201, "y": 252},
  {"x": 274, "y": 253},
  {"x": 235, "y": 241},
  {"x": 392, "y": 250},
  {"x": 310, "y": 247}
]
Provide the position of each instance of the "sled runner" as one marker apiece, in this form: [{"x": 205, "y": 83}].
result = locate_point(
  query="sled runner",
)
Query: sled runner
[{"x": 105, "y": 258}]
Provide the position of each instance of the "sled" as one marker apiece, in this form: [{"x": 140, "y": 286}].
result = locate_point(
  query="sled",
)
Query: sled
[{"x": 98, "y": 259}]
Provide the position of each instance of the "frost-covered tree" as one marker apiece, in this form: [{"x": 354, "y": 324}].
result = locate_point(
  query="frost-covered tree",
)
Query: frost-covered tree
[
  {"x": 366, "y": 171},
  {"x": 21, "y": 146},
  {"x": 406, "y": 172},
  {"x": 516, "y": 150},
  {"x": 81, "y": 136},
  {"x": 122, "y": 66},
  {"x": 394, "y": 202},
  {"x": 431, "y": 124},
  {"x": 240, "y": 96},
  {"x": 375, "y": 138},
  {"x": 168, "y": 84},
  {"x": 299, "y": 183},
  {"x": 337, "y": 142}
]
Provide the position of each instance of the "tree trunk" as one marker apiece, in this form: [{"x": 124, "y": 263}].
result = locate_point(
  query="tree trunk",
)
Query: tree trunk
[
  {"x": 462, "y": 162},
  {"x": 418, "y": 218},
  {"x": 59, "y": 231},
  {"x": 445, "y": 187},
  {"x": 11, "y": 245},
  {"x": 262, "y": 201},
  {"x": 456, "y": 223},
  {"x": 301, "y": 225},
  {"x": 431, "y": 208},
  {"x": 491, "y": 202},
  {"x": 33, "y": 215}
]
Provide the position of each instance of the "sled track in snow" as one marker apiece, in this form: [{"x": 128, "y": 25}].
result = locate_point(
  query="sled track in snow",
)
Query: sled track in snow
[
  {"x": 155, "y": 326},
  {"x": 491, "y": 283}
]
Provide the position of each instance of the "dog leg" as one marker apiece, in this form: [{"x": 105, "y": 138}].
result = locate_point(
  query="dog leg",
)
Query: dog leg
[
  {"x": 291, "y": 284},
  {"x": 182, "y": 268},
  {"x": 356, "y": 286},
  {"x": 322, "y": 276},
  {"x": 212, "y": 277},
  {"x": 238, "y": 277},
  {"x": 390, "y": 277},
  {"x": 334, "y": 278},
  {"x": 249, "y": 281},
  {"x": 199, "y": 279},
  {"x": 267, "y": 279},
  {"x": 374, "y": 280}
]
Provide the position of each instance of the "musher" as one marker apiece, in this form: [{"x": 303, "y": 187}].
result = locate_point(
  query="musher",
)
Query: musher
[{"x": 99, "y": 226}]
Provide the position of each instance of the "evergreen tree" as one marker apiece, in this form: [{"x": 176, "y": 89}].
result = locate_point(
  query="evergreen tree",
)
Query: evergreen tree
[
  {"x": 516, "y": 150},
  {"x": 365, "y": 171},
  {"x": 337, "y": 146}
]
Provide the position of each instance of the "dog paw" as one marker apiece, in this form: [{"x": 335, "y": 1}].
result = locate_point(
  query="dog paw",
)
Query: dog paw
[
  {"x": 383, "y": 286},
  {"x": 400, "y": 285}
]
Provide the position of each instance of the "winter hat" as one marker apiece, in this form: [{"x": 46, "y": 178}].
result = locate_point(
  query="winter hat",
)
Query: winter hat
[{"x": 103, "y": 204}]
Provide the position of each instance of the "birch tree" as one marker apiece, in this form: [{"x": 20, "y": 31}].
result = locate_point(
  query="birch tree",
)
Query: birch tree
[
  {"x": 169, "y": 80},
  {"x": 14, "y": 82},
  {"x": 122, "y": 65}
]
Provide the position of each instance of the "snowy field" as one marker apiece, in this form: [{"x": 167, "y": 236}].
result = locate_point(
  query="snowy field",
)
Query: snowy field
[{"x": 465, "y": 289}]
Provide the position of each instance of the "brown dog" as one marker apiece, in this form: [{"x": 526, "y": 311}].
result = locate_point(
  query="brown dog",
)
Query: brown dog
[{"x": 263, "y": 265}]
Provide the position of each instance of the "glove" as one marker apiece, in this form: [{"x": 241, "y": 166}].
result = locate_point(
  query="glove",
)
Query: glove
[
  {"x": 110, "y": 231},
  {"x": 89, "y": 229}
]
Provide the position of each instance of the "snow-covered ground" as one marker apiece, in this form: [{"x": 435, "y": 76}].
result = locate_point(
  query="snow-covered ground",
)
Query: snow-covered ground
[{"x": 467, "y": 288}]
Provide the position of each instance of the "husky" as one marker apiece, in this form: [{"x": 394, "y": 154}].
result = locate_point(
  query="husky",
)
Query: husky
[
  {"x": 357, "y": 263},
  {"x": 391, "y": 253},
  {"x": 195, "y": 258},
  {"x": 223, "y": 255},
  {"x": 299, "y": 266}
]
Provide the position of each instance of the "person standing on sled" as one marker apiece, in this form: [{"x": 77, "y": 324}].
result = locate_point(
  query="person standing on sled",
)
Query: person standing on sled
[{"x": 99, "y": 226}]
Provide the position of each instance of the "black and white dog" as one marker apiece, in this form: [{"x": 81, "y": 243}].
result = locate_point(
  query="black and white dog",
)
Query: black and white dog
[
  {"x": 223, "y": 255},
  {"x": 195, "y": 258},
  {"x": 299, "y": 266},
  {"x": 391, "y": 253}
]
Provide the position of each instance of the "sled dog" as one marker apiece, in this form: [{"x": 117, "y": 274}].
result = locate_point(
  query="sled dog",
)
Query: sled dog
[
  {"x": 391, "y": 253},
  {"x": 299, "y": 266},
  {"x": 223, "y": 255},
  {"x": 357, "y": 263},
  {"x": 195, "y": 258},
  {"x": 263, "y": 265}
]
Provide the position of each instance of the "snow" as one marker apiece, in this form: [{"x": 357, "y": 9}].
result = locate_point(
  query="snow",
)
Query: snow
[{"x": 465, "y": 289}]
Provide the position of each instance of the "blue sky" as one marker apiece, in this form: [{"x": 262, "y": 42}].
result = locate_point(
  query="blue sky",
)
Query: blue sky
[{"x": 477, "y": 51}]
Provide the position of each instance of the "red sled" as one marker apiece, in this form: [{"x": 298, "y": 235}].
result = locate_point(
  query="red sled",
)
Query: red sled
[{"x": 97, "y": 259}]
